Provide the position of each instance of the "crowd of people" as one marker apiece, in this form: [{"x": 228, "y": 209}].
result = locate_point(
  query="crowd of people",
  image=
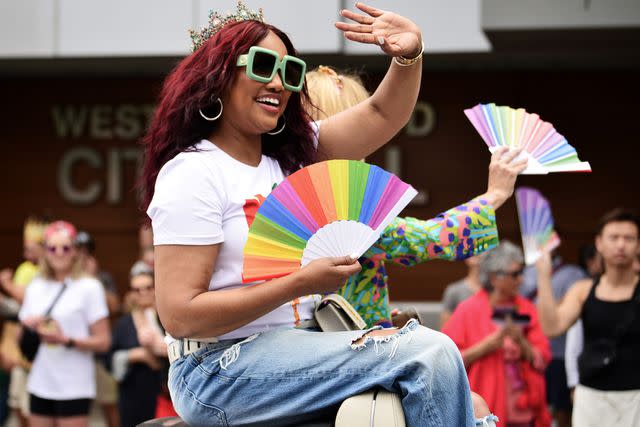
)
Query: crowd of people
[
  {"x": 525, "y": 375},
  {"x": 506, "y": 319},
  {"x": 94, "y": 346},
  {"x": 512, "y": 331}
]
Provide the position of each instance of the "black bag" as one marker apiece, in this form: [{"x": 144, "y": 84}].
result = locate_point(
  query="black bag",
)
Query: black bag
[
  {"x": 598, "y": 356},
  {"x": 30, "y": 339},
  {"x": 29, "y": 343}
]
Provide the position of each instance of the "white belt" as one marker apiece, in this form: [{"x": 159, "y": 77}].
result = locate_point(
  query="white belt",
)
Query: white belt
[{"x": 186, "y": 346}]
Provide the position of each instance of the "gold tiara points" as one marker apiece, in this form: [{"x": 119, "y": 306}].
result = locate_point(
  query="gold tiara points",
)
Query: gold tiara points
[{"x": 217, "y": 21}]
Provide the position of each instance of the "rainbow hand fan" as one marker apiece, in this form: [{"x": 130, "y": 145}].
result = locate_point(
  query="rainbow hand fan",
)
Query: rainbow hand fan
[
  {"x": 329, "y": 209},
  {"x": 536, "y": 224},
  {"x": 546, "y": 149}
]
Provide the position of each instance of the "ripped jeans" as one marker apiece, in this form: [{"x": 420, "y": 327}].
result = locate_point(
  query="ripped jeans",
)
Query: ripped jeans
[{"x": 287, "y": 376}]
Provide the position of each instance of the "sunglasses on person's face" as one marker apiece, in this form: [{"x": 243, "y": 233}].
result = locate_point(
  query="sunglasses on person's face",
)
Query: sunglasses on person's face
[
  {"x": 63, "y": 249},
  {"x": 143, "y": 289},
  {"x": 512, "y": 274},
  {"x": 263, "y": 64}
]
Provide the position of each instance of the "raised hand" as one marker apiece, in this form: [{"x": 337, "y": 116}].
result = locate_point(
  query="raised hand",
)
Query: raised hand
[
  {"x": 395, "y": 34},
  {"x": 544, "y": 266},
  {"x": 503, "y": 171}
]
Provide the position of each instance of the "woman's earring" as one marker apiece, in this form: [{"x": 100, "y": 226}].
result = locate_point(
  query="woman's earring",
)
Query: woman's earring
[
  {"x": 284, "y": 123},
  {"x": 213, "y": 119}
]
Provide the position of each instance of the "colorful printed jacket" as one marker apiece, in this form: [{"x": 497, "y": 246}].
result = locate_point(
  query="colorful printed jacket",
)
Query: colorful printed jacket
[{"x": 459, "y": 233}]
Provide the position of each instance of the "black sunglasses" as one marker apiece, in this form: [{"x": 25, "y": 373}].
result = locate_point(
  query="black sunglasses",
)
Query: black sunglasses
[
  {"x": 513, "y": 274},
  {"x": 143, "y": 289}
]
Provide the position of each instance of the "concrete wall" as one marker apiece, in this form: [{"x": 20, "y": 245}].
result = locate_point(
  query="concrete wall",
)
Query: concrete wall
[
  {"x": 94, "y": 28},
  {"x": 559, "y": 14}
]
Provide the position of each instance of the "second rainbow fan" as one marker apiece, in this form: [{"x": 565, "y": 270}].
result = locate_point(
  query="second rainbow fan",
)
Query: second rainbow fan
[
  {"x": 329, "y": 209},
  {"x": 546, "y": 149},
  {"x": 536, "y": 224}
]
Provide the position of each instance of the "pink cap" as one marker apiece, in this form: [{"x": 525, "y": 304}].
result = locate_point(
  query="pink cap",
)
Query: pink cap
[{"x": 57, "y": 226}]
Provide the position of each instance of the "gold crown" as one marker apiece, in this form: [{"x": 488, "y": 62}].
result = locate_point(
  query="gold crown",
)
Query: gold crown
[
  {"x": 217, "y": 22},
  {"x": 34, "y": 230}
]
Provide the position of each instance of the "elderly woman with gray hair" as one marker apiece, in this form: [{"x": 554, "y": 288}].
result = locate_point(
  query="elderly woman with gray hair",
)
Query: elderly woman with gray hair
[{"x": 502, "y": 344}]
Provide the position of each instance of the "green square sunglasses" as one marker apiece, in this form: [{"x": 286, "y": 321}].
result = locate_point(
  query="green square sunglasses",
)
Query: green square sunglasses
[{"x": 263, "y": 64}]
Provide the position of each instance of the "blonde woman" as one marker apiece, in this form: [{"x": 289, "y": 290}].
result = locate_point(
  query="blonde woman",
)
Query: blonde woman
[
  {"x": 61, "y": 383},
  {"x": 451, "y": 235},
  {"x": 331, "y": 93}
]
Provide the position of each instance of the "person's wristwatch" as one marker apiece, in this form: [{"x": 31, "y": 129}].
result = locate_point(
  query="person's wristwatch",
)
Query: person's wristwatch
[{"x": 70, "y": 343}]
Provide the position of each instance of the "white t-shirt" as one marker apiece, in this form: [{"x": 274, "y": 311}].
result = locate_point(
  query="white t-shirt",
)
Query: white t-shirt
[
  {"x": 206, "y": 197},
  {"x": 61, "y": 373}
]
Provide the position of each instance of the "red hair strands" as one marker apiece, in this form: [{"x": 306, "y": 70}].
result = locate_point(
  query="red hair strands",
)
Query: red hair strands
[{"x": 196, "y": 82}]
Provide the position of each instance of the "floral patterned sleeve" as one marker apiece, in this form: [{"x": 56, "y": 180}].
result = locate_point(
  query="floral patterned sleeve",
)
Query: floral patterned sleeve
[{"x": 459, "y": 233}]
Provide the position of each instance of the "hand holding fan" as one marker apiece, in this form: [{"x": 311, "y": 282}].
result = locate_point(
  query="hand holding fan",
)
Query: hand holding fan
[
  {"x": 536, "y": 224},
  {"x": 329, "y": 209},
  {"x": 546, "y": 149}
]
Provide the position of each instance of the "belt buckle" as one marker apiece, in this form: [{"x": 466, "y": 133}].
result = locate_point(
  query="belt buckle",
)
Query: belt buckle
[{"x": 175, "y": 351}]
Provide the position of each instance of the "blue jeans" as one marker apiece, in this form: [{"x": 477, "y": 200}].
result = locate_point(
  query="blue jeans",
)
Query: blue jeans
[{"x": 287, "y": 376}]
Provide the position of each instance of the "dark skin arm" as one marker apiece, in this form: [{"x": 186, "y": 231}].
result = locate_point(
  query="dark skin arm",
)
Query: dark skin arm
[{"x": 188, "y": 309}]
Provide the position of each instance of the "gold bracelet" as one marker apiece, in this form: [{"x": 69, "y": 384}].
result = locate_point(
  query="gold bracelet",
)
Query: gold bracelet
[{"x": 407, "y": 62}]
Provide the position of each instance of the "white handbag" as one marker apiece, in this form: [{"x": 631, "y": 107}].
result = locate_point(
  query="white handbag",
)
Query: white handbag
[{"x": 376, "y": 408}]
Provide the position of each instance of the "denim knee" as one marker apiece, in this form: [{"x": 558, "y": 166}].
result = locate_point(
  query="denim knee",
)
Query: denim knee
[{"x": 436, "y": 347}]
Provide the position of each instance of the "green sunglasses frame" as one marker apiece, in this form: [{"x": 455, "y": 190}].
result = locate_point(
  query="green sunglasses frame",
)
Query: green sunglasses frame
[{"x": 246, "y": 60}]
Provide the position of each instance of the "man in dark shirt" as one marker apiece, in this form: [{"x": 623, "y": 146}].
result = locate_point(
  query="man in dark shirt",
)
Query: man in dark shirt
[{"x": 608, "y": 311}]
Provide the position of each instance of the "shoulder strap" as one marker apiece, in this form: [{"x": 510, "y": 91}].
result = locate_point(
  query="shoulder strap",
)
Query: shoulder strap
[
  {"x": 623, "y": 327},
  {"x": 592, "y": 294},
  {"x": 55, "y": 300},
  {"x": 592, "y": 291}
]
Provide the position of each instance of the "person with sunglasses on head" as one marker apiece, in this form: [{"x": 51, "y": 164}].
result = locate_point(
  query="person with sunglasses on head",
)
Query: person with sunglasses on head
[
  {"x": 451, "y": 235},
  {"x": 138, "y": 354},
  {"x": 502, "y": 343},
  {"x": 229, "y": 126},
  {"x": 69, "y": 312}
]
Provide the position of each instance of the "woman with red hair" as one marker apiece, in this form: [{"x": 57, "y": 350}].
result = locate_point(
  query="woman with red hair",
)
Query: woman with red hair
[{"x": 230, "y": 126}]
